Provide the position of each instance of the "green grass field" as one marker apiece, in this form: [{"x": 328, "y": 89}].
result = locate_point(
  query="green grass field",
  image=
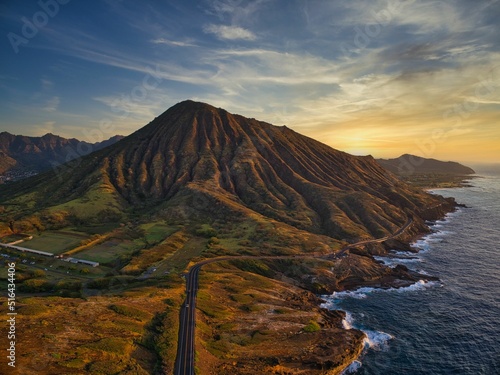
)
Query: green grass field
[
  {"x": 56, "y": 242},
  {"x": 157, "y": 232},
  {"x": 98, "y": 197},
  {"x": 96, "y": 228},
  {"x": 109, "y": 251},
  {"x": 193, "y": 248}
]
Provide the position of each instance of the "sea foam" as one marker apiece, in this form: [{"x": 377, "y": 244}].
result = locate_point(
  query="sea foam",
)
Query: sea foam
[
  {"x": 352, "y": 368},
  {"x": 376, "y": 340},
  {"x": 393, "y": 262},
  {"x": 347, "y": 321},
  {"x": 362, "y": 293}
]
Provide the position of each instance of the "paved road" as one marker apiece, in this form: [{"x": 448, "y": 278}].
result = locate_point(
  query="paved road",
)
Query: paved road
[
  {"x": 184, "y": 363},
  {"x": 378, "y": 240},
  {"x": 185, "y": 349}
]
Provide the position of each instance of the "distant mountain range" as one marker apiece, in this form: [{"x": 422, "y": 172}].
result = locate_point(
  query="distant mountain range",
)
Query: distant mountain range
[
  {"x": 235, "y": 166},
  {"x": 409, "y": 164},
  {"x": 21, "y": 154},
  {"x": 24, "y": 156}
]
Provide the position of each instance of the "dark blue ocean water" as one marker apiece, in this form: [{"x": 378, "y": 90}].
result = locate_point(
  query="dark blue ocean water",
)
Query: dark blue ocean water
[{"x": 447, "y": 327}]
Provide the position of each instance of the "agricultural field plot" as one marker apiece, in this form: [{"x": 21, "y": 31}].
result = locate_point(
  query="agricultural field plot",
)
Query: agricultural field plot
[
  {"x": 157, "y": 232},
  {"x": 109, "y": 251},
  {"x": 158, "y": 256},
  {"x": 56, "y": 242},
  {"x": 102, "y": 228},
  {"x": 180, "y": 259}
]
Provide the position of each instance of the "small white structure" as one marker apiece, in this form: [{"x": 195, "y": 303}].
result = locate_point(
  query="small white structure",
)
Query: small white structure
[
  {"x": 82, "y": 261},
  {"x": 44, "y": 253},
  {"x": 25, "y": 249},
  {"x": 88, "y": 262}
]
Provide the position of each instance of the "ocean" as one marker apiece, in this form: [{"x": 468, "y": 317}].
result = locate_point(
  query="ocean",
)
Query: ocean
[{"x": 447, "y": 327}]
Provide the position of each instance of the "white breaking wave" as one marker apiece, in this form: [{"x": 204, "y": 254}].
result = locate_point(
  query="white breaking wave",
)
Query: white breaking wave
[
  {"x": 357, "y": 294},
  {"x": 423, "y": 272},
  {"x": 404, "y": 253},
  {"x": 362, "y": 293},
  {"x": 347, "y": 321},
  {"x": 438, "y": 235},
  {"x": 352, "y": 368},
  {"x": 419, "y": 285},
  {"x": 424, "y": 244},
  {"x": 377, "y": 340},
  {"x": 393, "y": 262}
]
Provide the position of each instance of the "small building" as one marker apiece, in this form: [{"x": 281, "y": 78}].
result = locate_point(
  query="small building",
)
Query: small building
[
  {"x": 26, "y": 250},
  {"x": 88, "y": 262}
]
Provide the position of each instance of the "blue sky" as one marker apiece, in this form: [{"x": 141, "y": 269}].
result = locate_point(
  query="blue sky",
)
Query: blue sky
[{"x": 379, "y": 77}]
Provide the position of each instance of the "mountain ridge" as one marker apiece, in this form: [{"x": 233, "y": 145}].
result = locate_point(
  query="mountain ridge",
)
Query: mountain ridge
[
  {"x": 25, "y": 153},
  {"x": 428, "y": 173},
  {"x": 407, "y": 164},
  {"x": 196, "y": 151}
]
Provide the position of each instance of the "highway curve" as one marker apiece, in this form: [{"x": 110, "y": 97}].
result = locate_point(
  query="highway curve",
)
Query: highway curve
[{"x": 184, "y": 363}]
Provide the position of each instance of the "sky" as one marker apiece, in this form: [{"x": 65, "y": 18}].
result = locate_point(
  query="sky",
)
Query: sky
[{"x": 379, "y": 77}]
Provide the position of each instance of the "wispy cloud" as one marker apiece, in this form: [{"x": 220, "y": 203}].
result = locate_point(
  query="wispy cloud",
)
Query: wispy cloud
[
  {"x": 52, "y": 104},
  {"x": 47, "y": 84},
  {"x": 175, "y": 43},
  {"x": 229, "y": 32},
  {"x": 237, "y": 11},
  {"x": 122, "y": 107},
  {"x": 73, "y": 43},
  {"x": 422, "y": 16},
  {"x": 383, "y": 69}
]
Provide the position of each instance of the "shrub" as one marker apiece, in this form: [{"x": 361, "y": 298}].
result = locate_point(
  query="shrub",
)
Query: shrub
[
  {"x": 218, "y": 348},
  {"x": 74, "y": 363},
  {"x": 35, "y": 285},
  {"x": 101, "y": 283},
  {"x": 39, "y": 273},
  {"x": 105, "y": 367},
  {"x": 312, "y": 327},
  {"x": 68, "y": 285},
  {"x": 111, "y": 345},
  {"x": 130, "y": 312},
  {"x": 33, "y": 310},
  {"x": 213, "y": 241},
  {"x": 206, "y": 231}
]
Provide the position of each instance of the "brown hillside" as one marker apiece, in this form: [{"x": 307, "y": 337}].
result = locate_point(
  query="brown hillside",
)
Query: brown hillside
[{"x": 215, "y": 163}]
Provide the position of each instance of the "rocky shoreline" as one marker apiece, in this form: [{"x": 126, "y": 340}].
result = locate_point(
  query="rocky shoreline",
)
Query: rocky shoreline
[
  {"x": 400, "y": 276},
  {"x": 333, "y": 347}
]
